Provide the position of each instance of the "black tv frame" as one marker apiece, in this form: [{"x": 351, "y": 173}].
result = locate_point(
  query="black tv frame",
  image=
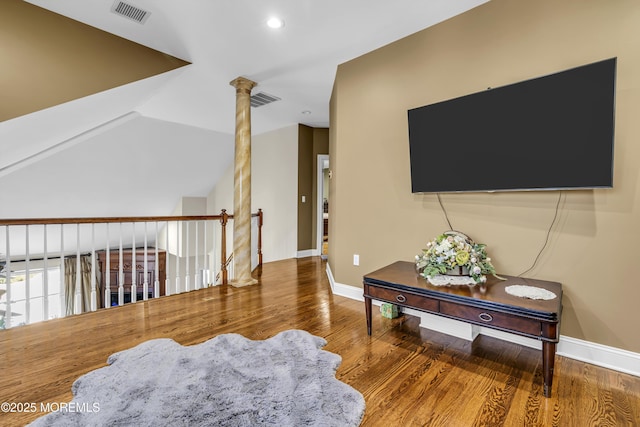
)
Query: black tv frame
[{"x": 553, "y": 132}]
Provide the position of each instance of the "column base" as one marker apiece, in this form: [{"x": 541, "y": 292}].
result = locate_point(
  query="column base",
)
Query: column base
[{"x": 238, "y": 283}]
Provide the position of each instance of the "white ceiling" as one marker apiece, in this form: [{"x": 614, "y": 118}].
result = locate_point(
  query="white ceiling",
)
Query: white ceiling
[{"x": 223, "y": 39}]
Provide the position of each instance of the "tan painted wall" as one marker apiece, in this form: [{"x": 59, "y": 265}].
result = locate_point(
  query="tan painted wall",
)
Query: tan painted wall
[
  {"x": 305, "y": 187},
  {"x": 274, "y": 172},
  {"x": 53, "y": 59},
  {"x": 593, "y": 248}
]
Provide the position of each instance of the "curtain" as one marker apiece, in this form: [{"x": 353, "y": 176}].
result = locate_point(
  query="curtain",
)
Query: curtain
[{"x": 71, "y": 283}]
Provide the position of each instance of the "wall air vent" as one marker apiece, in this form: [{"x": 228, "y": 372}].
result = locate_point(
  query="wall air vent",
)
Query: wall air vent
[
  {"x": 261, "y": 98},
  {"x": 129, "y": 11}
]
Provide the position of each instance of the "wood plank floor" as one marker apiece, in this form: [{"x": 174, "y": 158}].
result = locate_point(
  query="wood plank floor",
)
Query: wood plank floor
[{"x": 409, "y": 376}]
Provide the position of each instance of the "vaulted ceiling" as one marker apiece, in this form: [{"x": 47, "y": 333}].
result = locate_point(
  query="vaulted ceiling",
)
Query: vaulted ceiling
[{"x": 159, "y": 105}]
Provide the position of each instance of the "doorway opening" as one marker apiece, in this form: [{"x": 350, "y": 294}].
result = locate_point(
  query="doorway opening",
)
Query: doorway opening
[{"x": 322, "y": 225}]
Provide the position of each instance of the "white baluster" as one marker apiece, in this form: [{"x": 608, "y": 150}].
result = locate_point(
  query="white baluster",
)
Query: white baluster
[
  {"x": 178, "y": 253},
  {"x": 167, "y": 288},
  {"x": 156, "y": 279},
  {"x": 107, "y": 273},
  {"x": 94, "y": 293},
  {"x": 120, "y": 272},
  {"x": 213, "y": 256},
  {"x": 77, "y": 304},
  {"x": 134, "y": 267},
  {"x": 197, "y": 257},
  {"x": 63, "y": 284},
  {"x": 45, "y": 277},
  {"x": 27, "y": 280},
  {"x": 205, "y": 264},
  {"x": 145, "y": 279},
  {"x": 187, "y": 279},
  {"x": 7, "y": 267}
]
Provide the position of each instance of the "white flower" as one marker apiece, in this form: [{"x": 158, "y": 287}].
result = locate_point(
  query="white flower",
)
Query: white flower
[
  {"x": 477, "y": 270},
  {"x": 473, "y": 260}
]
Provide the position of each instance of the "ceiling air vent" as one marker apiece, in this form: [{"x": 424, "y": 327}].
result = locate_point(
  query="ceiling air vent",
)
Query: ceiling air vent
[
  {"x": 261, "y": 98},
  {"x": 129, "y": 11}
]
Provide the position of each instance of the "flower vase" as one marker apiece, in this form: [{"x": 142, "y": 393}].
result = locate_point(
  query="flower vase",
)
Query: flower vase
[{"x": 458, "y": 271}]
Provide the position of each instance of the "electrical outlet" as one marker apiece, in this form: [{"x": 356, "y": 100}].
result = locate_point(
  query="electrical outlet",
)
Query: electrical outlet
[{"x": 356, "y": 259}]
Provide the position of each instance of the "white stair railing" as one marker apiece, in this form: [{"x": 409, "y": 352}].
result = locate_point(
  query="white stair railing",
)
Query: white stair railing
[{"x": 54, "y": 267}]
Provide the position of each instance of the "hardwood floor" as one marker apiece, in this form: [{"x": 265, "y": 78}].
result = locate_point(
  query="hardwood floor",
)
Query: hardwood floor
[{"x": 409, "y": 376}]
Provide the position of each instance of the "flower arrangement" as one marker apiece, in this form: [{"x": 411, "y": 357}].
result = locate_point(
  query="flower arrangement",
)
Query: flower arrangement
[{"x": 452, "y": 250}]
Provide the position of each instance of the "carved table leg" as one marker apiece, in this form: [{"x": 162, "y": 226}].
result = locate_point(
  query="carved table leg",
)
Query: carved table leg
[{"x": 548, "y": 359}]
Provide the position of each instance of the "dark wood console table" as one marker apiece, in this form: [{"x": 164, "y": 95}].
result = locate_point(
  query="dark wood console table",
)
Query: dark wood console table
[{"x": 488, "y": 305}]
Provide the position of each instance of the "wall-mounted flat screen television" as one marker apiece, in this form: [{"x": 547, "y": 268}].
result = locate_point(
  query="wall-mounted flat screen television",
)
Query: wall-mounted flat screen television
[{"x": 551, "y": 132}]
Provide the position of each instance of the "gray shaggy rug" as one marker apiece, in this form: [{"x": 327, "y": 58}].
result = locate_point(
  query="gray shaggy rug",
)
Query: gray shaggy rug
[{"x": 286, "y": 380}]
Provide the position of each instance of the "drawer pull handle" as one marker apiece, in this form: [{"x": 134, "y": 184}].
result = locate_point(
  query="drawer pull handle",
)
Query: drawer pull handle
[
  {"x": 401, "y": 298},
  {"x": 485, "y": 317}
]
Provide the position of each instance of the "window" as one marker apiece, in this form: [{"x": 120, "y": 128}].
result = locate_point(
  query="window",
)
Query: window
[{"x": 35, "y": 296}]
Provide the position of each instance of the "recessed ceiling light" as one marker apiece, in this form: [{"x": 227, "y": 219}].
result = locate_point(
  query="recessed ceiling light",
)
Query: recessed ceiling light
[
  {"x": 306, "y": 112},
  {"x": 275, "y": 22}
]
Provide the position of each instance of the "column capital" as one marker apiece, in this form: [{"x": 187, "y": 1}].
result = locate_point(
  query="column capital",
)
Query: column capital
[{"x": 243, "y": 84}]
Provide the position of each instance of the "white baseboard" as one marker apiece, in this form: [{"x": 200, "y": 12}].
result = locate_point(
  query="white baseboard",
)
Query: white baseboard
[
  {"x": 596, "y": 354},
  {"x": 307, "y": 253},
  {"x": 343, "y": 290},
  {"x": 332, "y": 282},
  {"x": 600, "y": 355}
]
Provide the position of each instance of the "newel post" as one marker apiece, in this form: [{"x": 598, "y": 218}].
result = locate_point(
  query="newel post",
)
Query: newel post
[
  {"x": 260, "y": 222},
  {"x": 223, "y": 249}
]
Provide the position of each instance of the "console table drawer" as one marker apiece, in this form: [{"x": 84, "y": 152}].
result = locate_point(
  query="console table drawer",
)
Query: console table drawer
[
  {"x": 492, "y": 318},
  {"x": 403, "y": 298}
]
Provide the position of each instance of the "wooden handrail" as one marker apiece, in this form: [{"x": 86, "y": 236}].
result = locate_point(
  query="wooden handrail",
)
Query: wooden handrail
[{"x": 90, "y": 220}]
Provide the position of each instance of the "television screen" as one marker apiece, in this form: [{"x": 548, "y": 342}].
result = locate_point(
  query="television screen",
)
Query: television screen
[{"x": 551, "y": 132}]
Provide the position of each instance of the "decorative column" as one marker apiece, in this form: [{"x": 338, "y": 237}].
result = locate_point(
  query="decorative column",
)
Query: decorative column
[{"x": 242, "y": 185}]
